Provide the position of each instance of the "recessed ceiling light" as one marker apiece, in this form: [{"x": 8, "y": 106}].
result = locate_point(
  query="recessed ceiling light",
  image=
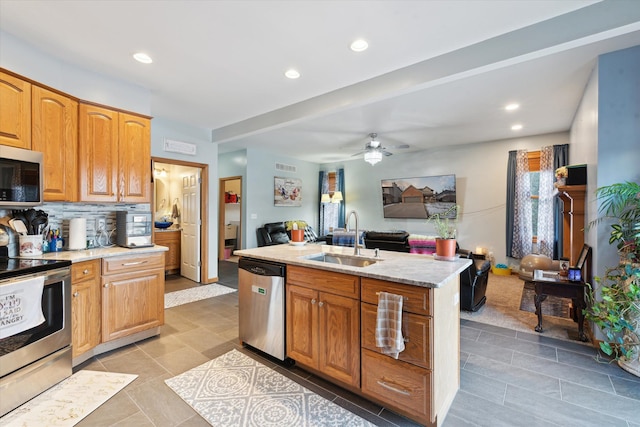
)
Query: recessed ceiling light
[
  {"x": 292, "y": 74},
  {"x": 142, "y": 57},
  {"x": 511, "y": 107},
  {"x": 516, "y": 127},
  {"x": 359, "y": 45}
]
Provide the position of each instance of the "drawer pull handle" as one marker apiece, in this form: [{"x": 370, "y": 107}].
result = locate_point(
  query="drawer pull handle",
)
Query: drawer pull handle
[
  {"x": 134, "y": 263},
  {"x": 85, "y": 271},
  {"x": 397, "y": 390},
  {"x": 75, "y": 294},
  {"x": 403, "y": 297},
  {"x": 313, "y": 301},
  {"x": 405, "y": 339}
]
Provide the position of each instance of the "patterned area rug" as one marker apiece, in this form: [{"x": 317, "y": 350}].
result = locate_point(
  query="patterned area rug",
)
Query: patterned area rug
[
  {"x": 552, "y": 306},
  {"x": 173, "y": 299},
  {"x": 68, "y": 402},
  {"x": 235, "y": 390}
]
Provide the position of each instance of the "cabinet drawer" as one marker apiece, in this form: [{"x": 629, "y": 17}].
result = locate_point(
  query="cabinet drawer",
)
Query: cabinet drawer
[
  {"x": 417, "y": 299},
  {"x": 322, "y": 280},
  {"x": 399, "y": 385},
  {"x": 416, "y": 331},
  {"x": 133, "y": 262},
  {"x": 85, "y": 270}
]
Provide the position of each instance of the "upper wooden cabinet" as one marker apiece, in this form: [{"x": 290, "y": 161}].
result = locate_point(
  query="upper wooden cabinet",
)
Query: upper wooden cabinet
[
  {"x": 114, "y": 156},
  {"x": 54, "y": 132},
  {"x": 15, "y": 111}
]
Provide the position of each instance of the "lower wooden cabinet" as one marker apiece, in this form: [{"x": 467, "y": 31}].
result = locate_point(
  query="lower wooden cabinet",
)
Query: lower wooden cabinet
[
  {"x": 132, "y": 294},
  {"x": 86, "y": 306},
  {"x": 172, "y": 240},
  {"x": 323, "y": 330}
]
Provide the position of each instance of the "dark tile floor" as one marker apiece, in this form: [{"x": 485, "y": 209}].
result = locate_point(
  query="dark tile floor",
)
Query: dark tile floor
[{"x": 508, "y": 378}]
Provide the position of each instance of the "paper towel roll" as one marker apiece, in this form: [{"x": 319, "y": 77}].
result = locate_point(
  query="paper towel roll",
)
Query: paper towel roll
[{"x": 77, "y": 233}]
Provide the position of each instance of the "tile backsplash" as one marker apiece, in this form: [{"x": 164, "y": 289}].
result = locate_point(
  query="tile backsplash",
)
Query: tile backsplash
[{"x": 61, "y": 213}]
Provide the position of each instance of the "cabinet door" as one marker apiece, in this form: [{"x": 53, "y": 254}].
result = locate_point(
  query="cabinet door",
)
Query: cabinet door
[
  {"x": 86, "y": 303},
  {"x": 339, "y": 324},
  {"x": 302, "y": 325},
  {"x": 134, "y": 146},
  {"x": 55, "y": 133},
  {"x": 15, "y": 112},
  {"x": 170, "y": 239},
  {"x": 98, "y": 154},
  {"x": 132, "y": 302}
]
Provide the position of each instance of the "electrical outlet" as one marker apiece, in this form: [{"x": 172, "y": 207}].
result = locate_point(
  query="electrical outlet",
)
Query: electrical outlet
[{"x": 101, "y": 224}]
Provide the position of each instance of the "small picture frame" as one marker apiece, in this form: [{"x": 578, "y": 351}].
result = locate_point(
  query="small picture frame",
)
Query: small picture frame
[{"x": 575, "y": 274}]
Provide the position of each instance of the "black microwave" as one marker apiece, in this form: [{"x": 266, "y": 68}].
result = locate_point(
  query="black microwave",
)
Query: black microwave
[{"x": 21, "y": 177}]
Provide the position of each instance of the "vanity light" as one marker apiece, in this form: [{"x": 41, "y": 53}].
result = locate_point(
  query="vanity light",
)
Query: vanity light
[
  {"x": 516, "y": 127},
  {"x": 142, "y": 57},
  {"x": 359, "y": 45},
  {"x": 512, "y": 107},
  {"x": 292, "y": 74}
]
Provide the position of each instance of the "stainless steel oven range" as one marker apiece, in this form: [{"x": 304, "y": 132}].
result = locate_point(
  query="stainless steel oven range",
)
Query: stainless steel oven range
[{"x": 39, "y": 357}]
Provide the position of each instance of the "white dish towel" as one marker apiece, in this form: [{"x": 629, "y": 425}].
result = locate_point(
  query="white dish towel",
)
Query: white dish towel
[
  {"x": 20, "y": 306},
  {"x": 389, "y": 324}
]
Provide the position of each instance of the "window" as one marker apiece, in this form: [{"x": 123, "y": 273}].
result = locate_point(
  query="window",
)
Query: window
[{"x": 534, "y": 178}]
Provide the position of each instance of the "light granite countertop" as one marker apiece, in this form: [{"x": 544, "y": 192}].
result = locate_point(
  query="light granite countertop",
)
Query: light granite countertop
[
  {"x": 95, "y": 253},
  {"x": 411, "y": 269}
]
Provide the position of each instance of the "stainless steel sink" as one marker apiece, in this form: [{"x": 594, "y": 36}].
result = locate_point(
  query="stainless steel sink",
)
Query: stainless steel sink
[{"x": 351, "y": 260}]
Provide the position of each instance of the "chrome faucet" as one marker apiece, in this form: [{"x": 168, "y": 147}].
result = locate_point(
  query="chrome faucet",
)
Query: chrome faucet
[{"x": 356, "y": 248}]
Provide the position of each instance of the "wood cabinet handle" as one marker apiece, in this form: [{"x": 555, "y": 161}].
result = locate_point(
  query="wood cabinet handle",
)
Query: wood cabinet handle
[
  {"x": 313, "y": 301},
  {"x": 134, "y": 263},
  {"x": 320, "y": 304},
  {"x": 75, "y": 294},
  {"x": 106, "y": 285},
  {"x": 392, "y": 388},
  {"x": 85, "y": 271}
]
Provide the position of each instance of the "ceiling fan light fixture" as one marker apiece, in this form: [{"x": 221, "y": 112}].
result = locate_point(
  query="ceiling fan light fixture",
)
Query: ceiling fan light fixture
[{"x": 373, "y": 156}]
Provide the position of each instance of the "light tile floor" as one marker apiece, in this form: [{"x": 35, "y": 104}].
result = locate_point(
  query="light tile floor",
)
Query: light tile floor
[{"x": 508, "y": 378}]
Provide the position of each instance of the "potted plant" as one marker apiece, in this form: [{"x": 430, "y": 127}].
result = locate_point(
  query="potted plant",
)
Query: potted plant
[
  {"x": 445, "y": 227},
  {"x": 617, "y": 312},
  {"x": 296, "y": 229}
]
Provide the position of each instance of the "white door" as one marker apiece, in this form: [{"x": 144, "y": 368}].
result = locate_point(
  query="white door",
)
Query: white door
[{"x": 190, "y": 266}]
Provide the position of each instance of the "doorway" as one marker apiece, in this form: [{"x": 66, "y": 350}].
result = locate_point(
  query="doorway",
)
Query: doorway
[
  {"x": 230, "y": 217},
  {"x": 180, "y": 194}
]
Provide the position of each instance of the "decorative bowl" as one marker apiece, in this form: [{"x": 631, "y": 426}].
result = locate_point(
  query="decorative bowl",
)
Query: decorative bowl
[{"x": 163, "y": 224}]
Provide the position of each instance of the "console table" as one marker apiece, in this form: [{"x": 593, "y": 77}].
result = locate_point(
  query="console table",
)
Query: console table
[{"x": 563, "y": 289}]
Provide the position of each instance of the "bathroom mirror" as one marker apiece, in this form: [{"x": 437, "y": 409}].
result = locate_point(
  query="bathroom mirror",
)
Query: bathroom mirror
[{"x": 163, "y": 204}]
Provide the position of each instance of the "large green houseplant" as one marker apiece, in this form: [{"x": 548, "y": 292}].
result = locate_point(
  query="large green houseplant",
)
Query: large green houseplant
[{"x": 617, "y": 311}]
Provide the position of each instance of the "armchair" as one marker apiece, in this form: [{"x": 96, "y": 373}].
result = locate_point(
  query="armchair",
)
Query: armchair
[
  {"x": 473, "y": 284},
  {"x": 272, "y": 233}
]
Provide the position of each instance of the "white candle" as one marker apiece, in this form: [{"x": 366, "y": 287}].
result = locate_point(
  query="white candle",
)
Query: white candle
[{"x": 479, "y": 250}]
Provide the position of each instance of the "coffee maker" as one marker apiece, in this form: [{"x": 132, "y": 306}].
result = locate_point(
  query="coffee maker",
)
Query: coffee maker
[{"x": 133, "y": 229}]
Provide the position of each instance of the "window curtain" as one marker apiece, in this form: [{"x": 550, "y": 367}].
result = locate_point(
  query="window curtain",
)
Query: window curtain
[
  {"x": 321, "y": 182},
  {"x": 340, "y": 187},
  {"x": 560, "y": 158},
  {"x": 519, "y": 205},
  {"x": 331, "y": 214},
  {"x": 545, "y": 203}
]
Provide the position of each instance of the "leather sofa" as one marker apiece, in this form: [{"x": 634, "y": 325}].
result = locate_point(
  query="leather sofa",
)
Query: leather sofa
[
  {"x": 387, "y": 240},
  {"x": 275, "y": 233},
  {"x": 473, "y": 284}
]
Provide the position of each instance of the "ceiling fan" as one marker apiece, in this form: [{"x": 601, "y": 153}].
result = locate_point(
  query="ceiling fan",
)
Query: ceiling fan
[{"x": 373, "y": 150}]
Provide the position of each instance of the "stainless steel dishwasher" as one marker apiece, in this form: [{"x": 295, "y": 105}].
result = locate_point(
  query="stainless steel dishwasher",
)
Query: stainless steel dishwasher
[{"x": 261, "y": 306}]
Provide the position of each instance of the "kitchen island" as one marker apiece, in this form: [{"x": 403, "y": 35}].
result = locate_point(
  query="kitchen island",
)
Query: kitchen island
[{"x": 331, "y": 310}]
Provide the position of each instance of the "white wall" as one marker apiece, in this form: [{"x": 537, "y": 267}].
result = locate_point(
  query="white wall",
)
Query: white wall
[
  {"x": 481, "y": 174},
  {"x": 207, "y": 153},
  {"x": 259, "y": 196}
]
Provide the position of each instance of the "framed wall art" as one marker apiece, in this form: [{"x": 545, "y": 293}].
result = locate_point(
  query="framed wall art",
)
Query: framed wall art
[
  {"x": 418, "y": 197},
  {"x": 287, "y": 192}
]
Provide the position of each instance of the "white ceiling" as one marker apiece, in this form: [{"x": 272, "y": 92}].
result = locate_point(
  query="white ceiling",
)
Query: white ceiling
[{"x": 436, "y": 72}]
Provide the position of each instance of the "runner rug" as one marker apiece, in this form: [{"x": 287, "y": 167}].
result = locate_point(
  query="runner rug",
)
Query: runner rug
[
  {"x": 235, "y": 390},
  {"x": 68, "y": 402},
  {"x": 173, "y": 299}
]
